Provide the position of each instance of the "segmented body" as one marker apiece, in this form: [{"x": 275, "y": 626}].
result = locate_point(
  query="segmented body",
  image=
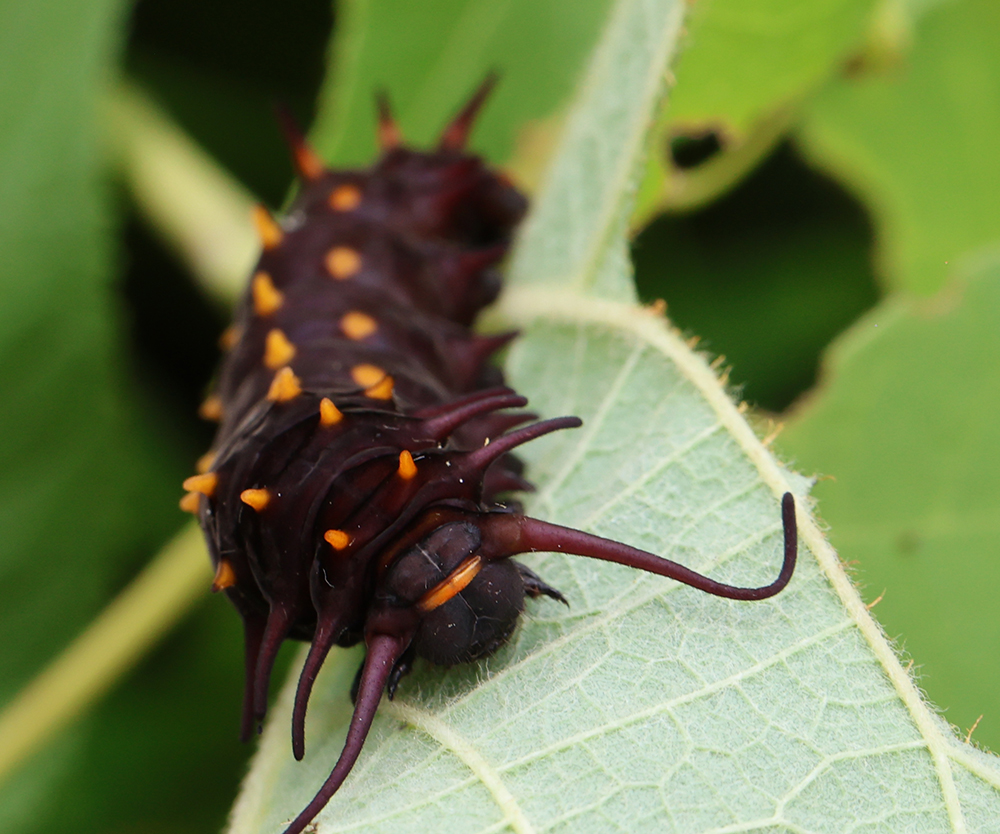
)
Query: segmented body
[
  {"x": 353, "y": 489},
  {"x": 351, "y": 337}
]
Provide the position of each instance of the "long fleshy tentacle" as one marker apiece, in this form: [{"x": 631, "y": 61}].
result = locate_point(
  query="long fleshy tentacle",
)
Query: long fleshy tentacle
[
  {"x": 461, "y": 402},
  {"x": 383, "y": 652},
  {"x": 279, "y": 622},
  {"x": 326, "y": 633},
  {"x": 483, "y": 457},
  {"x": 389, "y": 136},
  {"x": 457, "y": 133},
  {"x": 443, "y": 425},
  {"x": 520, "y": 534},
  {"x": 253, "y": 634}
]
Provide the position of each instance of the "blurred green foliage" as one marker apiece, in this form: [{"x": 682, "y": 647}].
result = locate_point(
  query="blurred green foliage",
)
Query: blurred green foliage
[
  {"x": 904, "y": 417},
  {"x": 767, "y": 275},
  {"x": 106, "y": 344},
  {"x": 917, "y": 142},
  {"x": 746, "y": 58},
  {"x": 429, "y": 56},
  {"x": 86, "y": 460}
]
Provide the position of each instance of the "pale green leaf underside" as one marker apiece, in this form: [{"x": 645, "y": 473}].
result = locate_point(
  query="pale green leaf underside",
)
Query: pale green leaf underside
[{"x": 647, "y": 706}]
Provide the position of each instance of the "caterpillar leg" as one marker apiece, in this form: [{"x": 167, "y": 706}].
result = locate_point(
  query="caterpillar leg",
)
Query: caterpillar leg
[{"x": 535, "y": 586}]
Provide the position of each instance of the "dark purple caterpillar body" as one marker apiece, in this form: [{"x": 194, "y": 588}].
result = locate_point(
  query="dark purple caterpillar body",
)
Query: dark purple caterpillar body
[{"x": 352, "y": 493}]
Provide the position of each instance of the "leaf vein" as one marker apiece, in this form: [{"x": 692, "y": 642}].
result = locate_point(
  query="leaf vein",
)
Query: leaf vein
[
  {"x": 523, "y": 304},
  {"x": 593, "y": 424},
  {"x": 680, "y": 700},
  {"x": 628, "y": 601},
  {"x": 449, "y": 738},
  {"x": 647, "y": 477}
]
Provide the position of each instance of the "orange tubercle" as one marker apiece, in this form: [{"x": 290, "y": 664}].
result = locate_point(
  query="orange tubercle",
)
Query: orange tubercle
[
  {"x": 225, "y": 577},
  {"x": 256, "y": 498},
  {"x": 367, "y": 375},
  {"x": 268, "y": 230},
  {"x": 266, "y": 297},
  {"x": 230, "y": 337},
  {"x": 357, "y": 325},
  {"x": 211, "y": 408},
  {"x": 381, "y": 390},
  {"x": 337, "y": 539},
  {"x": 407, "y": 466},
  {"x": 345, "y": 197},
  {"x": 377, "y": 383},
  {"x": 278, "y": 351},
  {"x": 308, "y": 163},
  {"x": 285, "y": 386},
  {"x": 389, "y": 136},
  {"x": 342, "y": 262},
  {"x": 329, "y": 414},
  {"x": 205, "y": 484},
  {"x": 191, "y": 503}
]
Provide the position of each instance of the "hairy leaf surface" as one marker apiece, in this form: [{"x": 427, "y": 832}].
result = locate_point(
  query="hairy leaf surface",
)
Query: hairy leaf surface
[{"x": 646, "y": 706}]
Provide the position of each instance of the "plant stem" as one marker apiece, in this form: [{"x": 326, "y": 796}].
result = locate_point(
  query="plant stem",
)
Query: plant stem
[
  {"x": 199, "y": 210},
  {"x": 141, "y": 614}
]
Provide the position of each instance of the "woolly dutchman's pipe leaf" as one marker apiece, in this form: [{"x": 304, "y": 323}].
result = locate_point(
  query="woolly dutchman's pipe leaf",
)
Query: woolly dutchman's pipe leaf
[{"x": 646, "y": 706}]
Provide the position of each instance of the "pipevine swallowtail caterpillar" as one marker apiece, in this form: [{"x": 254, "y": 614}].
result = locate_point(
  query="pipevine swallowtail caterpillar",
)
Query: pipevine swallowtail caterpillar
[{"x": 352, "y": 491}]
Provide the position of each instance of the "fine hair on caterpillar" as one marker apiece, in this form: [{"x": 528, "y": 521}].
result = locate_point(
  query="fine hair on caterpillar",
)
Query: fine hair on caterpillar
[{"x": 354, "y": 489}]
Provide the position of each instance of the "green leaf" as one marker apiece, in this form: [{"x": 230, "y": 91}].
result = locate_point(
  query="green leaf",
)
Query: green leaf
[
  {"x": 574, "y": 238},
  {"x": 647, "y": 706},
  {"x": 55, "y": 338},
  {"x": 747, "y": 66},
  {"x": 905, "y": 422},
  {"x": 749, "y": 57},
  {"x": 428, "y": 56},
  {"x": 918, "y": 144},
  {"x": 901, "y": 405},
  {"x": 194, "y": 205}
]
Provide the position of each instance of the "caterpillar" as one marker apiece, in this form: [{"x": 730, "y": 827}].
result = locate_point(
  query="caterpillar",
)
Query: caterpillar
[{"x": 353, "y": 490}]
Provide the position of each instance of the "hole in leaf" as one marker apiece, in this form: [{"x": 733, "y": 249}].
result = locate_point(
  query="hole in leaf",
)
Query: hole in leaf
[{"x": 691, "y": 150}]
